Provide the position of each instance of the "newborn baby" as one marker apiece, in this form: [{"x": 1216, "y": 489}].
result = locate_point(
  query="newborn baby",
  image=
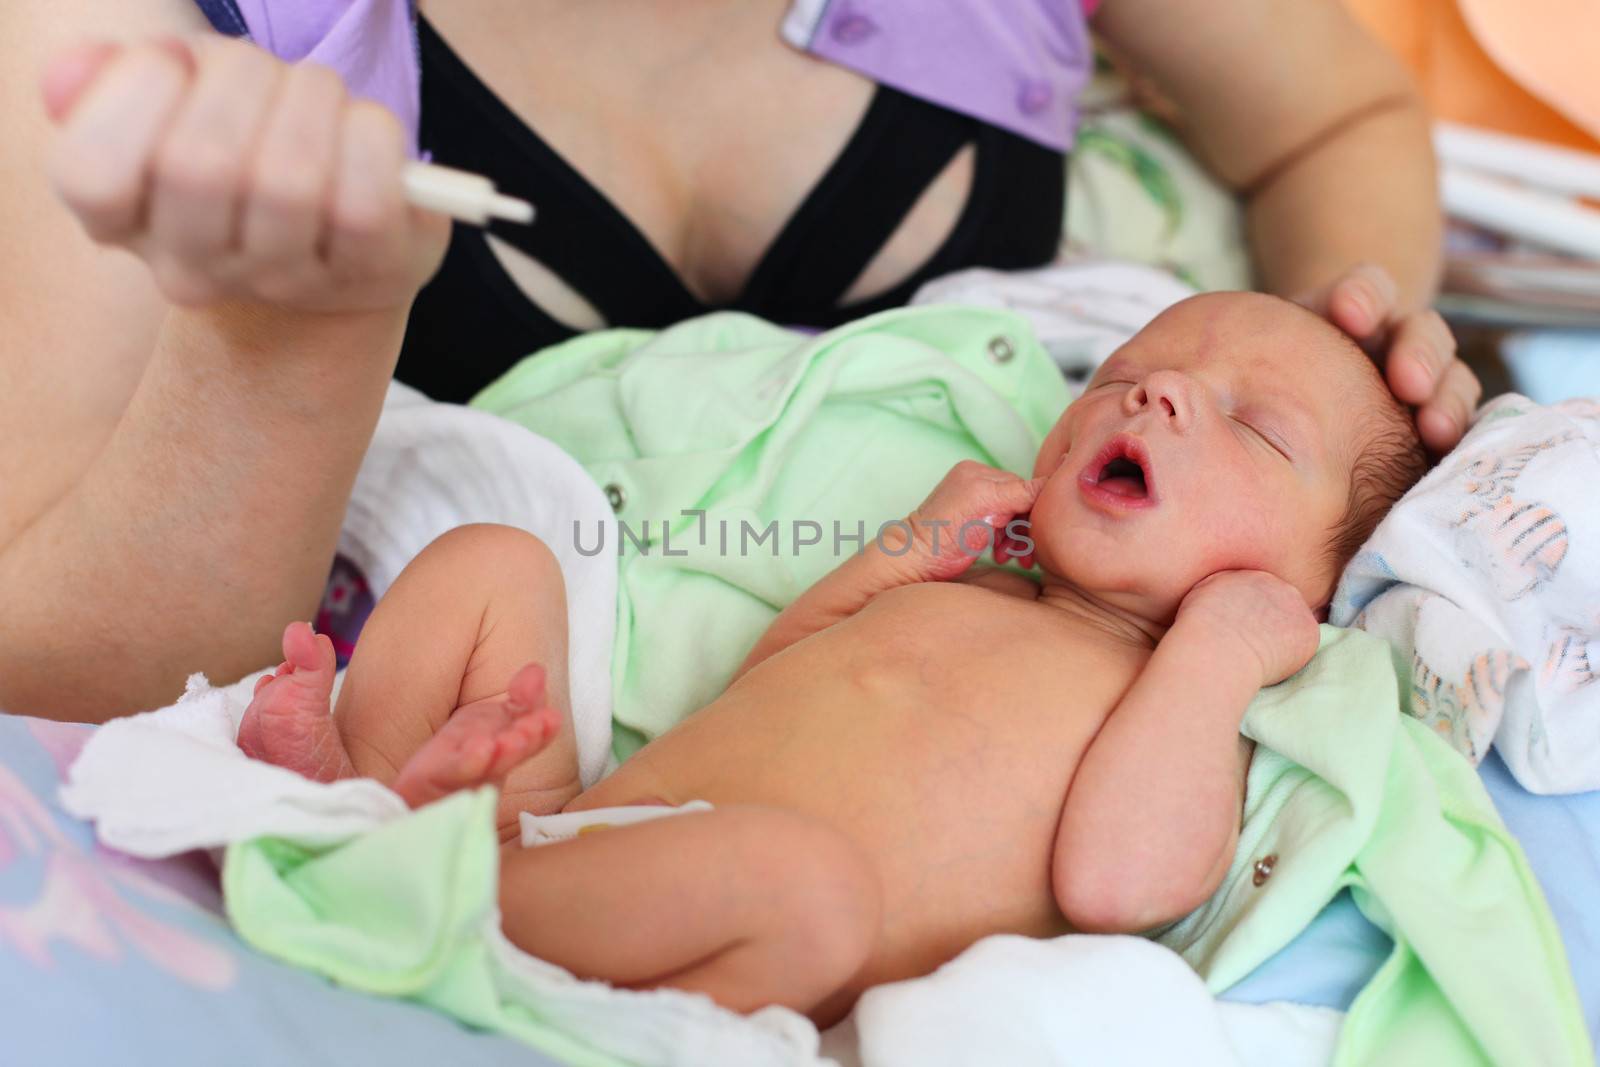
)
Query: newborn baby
[{"x": 918, "y": 752}]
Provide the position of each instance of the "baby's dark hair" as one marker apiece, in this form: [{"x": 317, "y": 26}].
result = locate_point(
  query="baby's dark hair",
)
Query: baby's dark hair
[{"x": 1389, "y": 459}]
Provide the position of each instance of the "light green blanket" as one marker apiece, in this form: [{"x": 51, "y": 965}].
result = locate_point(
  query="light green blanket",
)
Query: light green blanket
[{"x": 752, "y": 424}]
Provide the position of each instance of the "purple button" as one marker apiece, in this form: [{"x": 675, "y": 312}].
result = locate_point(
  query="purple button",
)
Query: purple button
[
  {"x": 852, "y": 28},
  {"x": 1034, "y": 96}
]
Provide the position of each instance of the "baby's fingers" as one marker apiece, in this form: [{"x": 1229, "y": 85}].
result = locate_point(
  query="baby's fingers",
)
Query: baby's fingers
[
  {"x": 1019, "y": 548},
  {"x": 101, "y": 162},
  {"x": 1007, "y": 496}
]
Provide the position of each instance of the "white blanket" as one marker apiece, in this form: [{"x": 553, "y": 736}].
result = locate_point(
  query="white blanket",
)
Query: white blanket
[
  {"x": 1487, "y": 577},
  {"x": 173, "y": 780}
]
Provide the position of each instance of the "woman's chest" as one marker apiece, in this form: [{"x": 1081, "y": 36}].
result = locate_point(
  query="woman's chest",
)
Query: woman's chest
[{"x": 693, "y": 118}]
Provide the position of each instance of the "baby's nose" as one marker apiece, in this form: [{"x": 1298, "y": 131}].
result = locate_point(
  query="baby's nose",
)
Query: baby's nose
[{"x": 1168, "y": 395}]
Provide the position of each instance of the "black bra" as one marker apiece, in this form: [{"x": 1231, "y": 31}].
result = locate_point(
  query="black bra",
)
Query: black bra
[{"x": 472, "y": 322}]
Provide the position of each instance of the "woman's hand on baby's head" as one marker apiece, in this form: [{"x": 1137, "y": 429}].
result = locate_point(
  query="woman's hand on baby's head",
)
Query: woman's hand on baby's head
[
  {"x": 236, "y": 176},
  {"x": 1265, "y": 614},
  {"x": 966, "y": 516},
  {"x": 1416, "y": 350}
]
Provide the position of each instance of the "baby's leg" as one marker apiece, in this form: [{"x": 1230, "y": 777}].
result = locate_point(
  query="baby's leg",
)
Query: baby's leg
[
  {"x": 470, "y": 644},
  {"x": 472, "y": 610},
  {"x": 751, "y": 906}
]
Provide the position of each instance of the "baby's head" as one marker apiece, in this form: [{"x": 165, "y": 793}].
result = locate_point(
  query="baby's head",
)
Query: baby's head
[{"x": 1235, "y": 432}]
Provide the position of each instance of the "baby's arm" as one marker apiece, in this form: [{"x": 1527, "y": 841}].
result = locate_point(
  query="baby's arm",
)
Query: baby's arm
[
  {"x": 1151, "y": 818},
  {"x": 923, "y": 549}
]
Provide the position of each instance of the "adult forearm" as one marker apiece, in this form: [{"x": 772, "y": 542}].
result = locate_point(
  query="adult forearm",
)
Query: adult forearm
[
  {"x": 206, "y": 523},
  {"x": 1362, "y": 191}
]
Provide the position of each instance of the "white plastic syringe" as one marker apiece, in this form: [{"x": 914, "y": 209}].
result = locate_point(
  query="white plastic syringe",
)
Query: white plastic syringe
[{"x": 461, "y": 195}]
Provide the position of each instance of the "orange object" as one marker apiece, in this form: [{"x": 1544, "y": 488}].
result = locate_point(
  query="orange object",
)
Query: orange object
[{"x": 1525, "y": 67}]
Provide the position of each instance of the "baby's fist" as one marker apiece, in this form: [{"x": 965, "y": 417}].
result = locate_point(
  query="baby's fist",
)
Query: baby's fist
[
  {"x": 965, "y": 515},
  {"x": 1266, "y": 614}
]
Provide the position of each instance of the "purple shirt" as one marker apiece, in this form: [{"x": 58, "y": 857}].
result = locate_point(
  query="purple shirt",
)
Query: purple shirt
[{"x": 1015, "y": 64}]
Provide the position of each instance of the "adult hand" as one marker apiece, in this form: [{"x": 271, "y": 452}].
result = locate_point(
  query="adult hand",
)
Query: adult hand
[
  {"x": 1415, "y": 349},
  {"x": 236, "y": 176}
]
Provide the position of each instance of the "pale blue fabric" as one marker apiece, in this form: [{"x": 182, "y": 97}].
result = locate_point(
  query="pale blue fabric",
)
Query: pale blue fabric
[
  {"x": 1549, "y": 366},
  {"x": 146, "y": 971}
]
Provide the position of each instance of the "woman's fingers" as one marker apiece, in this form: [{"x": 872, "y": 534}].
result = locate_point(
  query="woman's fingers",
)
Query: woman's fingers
[
  {"x": 1442, "y": 421},
  {"x": 1417, "y": 351},
  {"x": 203, "y": 162},
  {"x": 101, "y": 162},
  {"x": 1362, "y": 303},
  {"x": 1421, "y": 351},
  {"x": 237, "y": 176},
  {"x": 370, "y": 219},
  {"x": 294, "y": 176},
  {"x": 68, "y": 74}
]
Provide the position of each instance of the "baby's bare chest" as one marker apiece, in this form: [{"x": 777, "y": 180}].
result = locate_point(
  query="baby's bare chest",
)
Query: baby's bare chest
[{"x": 933, "y": 702}]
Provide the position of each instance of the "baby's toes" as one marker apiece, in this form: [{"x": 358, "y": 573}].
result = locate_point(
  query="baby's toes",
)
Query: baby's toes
[
  {"x": 525, "y": 691},
  {"x": 523, "y": 739},
  {"x": 475, "y": 759}
]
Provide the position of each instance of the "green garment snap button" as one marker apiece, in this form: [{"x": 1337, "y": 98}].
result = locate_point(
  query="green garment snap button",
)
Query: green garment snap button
[
  {"x": 1001, "y": 350},
  {"x": 616, "y": 497},
  {"x": 1263, "y": 869}
]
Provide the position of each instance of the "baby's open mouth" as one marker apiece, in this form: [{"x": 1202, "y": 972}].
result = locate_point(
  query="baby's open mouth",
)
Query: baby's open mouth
[
  {"x": 1118, "y": 478},
  {"x": 1123, "y": 477}
]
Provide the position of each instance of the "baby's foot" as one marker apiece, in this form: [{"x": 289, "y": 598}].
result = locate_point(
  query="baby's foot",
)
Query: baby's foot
[
  {"x": 288, "y": 722},
  {"x": 482, "y": 742}
]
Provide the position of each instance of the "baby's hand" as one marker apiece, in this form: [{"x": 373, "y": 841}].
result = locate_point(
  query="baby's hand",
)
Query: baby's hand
[
  {"x": 964, "y": 516},
  {"x": 1264, "y": 612},
  {"x": 238, "y": 177}
]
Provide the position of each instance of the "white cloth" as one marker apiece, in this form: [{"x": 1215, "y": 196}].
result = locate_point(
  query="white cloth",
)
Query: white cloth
[
  {"x": 1081, "y": 311},
  {"x": 564, "y": 826},
  {"x": 1079, "y": 999},
  {"x": 1486, "y": 577}
]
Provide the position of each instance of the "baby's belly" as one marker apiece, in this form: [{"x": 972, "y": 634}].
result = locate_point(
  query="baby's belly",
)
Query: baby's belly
[{"x": 947, "y": 763}]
